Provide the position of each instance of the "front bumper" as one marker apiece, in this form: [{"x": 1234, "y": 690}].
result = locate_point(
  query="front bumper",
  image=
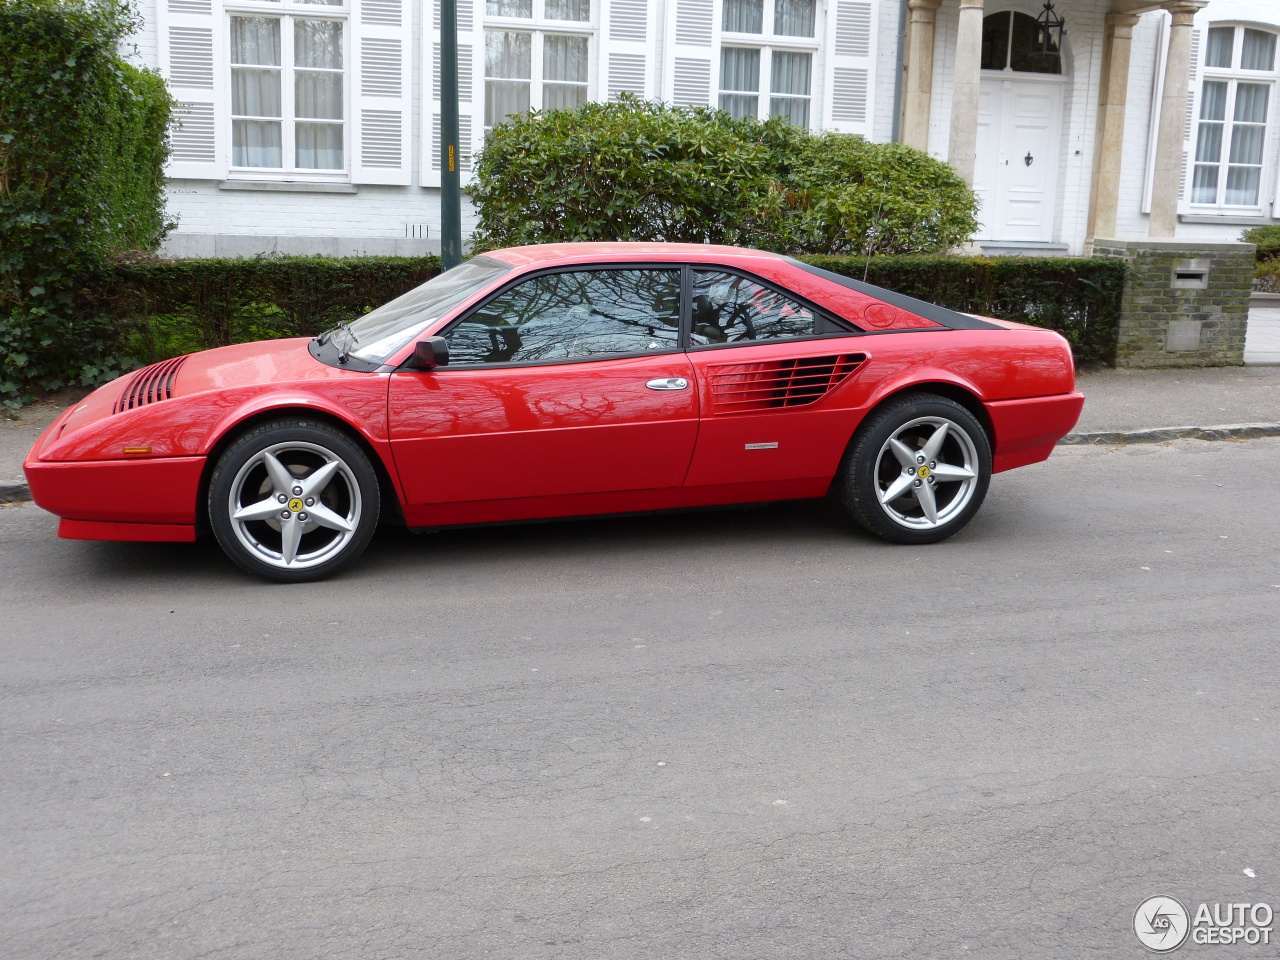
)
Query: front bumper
[{"x": 136, "y": 499}]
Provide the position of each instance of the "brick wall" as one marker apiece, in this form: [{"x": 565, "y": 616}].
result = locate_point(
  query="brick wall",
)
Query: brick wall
[{"x": 1185, "y": 303}]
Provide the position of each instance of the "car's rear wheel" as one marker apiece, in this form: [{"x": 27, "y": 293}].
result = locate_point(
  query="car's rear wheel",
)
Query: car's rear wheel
[
  {"x": 918, "y": 469},
  {"x": 293, "y": 500}
]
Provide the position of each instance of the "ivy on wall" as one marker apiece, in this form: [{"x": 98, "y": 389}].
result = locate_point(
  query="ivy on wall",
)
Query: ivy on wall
[{"x": 83, "y": 144}]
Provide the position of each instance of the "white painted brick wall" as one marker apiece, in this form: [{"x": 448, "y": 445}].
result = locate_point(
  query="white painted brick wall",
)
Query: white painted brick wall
[
  {"x": 1144, "y": 56},
  {"x": 888, "y": 66},
  {"x": 377, "y": 216}
]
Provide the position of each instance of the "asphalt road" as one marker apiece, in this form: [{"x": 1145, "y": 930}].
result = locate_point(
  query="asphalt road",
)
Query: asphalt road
[{"x": 725, "y": 735}]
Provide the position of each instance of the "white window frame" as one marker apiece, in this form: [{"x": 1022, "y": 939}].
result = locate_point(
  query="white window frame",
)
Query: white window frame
[
  {"x": 1233, "y": 76},
  {"x": 539, "y": 27},
  {"x": 767, "y": 42},
  {"x": 287, "y": 11}
]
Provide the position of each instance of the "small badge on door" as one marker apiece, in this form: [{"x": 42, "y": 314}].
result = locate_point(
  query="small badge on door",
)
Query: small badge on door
[{"x": 761, "y": 446}]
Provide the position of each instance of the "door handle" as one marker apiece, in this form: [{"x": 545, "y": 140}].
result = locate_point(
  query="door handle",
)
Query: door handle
[{"x": 668, "y": 383}]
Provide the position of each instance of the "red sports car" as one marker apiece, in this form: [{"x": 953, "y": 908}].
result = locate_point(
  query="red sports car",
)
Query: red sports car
[{"x": 565, "y": 380}]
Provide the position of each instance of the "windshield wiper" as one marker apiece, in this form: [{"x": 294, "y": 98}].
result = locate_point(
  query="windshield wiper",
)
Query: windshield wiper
[{"x": 349, "y": 340}]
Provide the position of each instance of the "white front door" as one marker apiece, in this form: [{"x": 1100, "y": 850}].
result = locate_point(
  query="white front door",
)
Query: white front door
[{"x": 1018, "y": 157}]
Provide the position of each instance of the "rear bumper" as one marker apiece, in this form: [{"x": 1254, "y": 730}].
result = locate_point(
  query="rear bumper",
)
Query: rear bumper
[
  {"x": 117, "y": 492},
  {"x": 1026, "y": 431}
]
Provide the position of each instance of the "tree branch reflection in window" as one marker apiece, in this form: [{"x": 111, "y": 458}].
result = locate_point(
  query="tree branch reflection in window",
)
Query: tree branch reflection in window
[
  {"x": 574, "y": 315},
  {"x": 728, "y": 308}
]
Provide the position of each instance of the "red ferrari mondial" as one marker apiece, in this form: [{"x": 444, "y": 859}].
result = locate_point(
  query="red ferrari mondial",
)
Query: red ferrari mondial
[{"x": 565, "y": 380}]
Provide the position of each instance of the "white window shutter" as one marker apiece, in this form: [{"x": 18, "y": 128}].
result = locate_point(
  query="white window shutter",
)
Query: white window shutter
[
  {"x": 470, "y": 91},
  {"x": 692, "y": 70},
  {"x": 1189, "y": 134},
  {"x": 193, "y": 61},
  {"x": 627, "y": 34},
  {"x": 380, "y": 119},
  {"x": 851, "y": 72}
]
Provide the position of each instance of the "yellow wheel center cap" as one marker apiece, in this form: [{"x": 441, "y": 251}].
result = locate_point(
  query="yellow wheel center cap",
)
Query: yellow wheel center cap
[
  {"x": 923, "y": 472},
  {"x": 295, "y": 504}
]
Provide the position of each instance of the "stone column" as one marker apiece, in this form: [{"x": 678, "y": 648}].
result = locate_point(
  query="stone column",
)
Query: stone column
[
  {"x": 1104, "y": 197},
  {"x": 964, "y": 98},
  {"x": 1173, "y": 120},
  {"x": 922, "y": 18}
]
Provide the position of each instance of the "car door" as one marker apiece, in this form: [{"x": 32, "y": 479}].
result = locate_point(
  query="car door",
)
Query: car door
[
  {"x": 773, "y": 377},
  {"x": 566, "y": 382}
]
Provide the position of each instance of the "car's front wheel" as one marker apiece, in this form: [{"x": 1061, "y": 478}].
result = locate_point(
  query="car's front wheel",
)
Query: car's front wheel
[
  {"x": 293, "y": 500},
  {"x": 918, "y": 469}
]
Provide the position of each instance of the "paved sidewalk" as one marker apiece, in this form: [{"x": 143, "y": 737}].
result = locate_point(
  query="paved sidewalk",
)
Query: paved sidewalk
[
  {"x": 16, "y": 437},
  {"x": 1118, "y": 403},
  {"x": 1262, "y": 337},
  {"x": 1129, "y": 399}
]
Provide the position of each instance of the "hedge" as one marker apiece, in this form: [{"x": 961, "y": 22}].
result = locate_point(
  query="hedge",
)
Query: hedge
[
  {"x": 162, "y": 308},
  {"x": 1077, "y": 296},
  {"x": 83, "y": 142}
]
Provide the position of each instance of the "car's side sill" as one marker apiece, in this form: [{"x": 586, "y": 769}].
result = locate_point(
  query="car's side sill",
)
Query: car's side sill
[{"x": 429, "y": 516}]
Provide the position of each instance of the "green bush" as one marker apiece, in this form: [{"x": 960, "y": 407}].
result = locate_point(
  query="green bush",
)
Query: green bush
[
  {"x": 637, "y": 170},
  {"x": 1266, "y": 276},
  {"x": 83, "y": 144},
  {"x": 1268, "y": 240},
  {"x": 844, "y": 194},
  {"x": 1078, "y": 297},
  {"x": 163, "y": 308}
]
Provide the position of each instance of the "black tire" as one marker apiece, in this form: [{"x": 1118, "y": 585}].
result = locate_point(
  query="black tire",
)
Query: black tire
[
  {"x": 872, "y": 467},
  {"x": 347, "y": 494}
]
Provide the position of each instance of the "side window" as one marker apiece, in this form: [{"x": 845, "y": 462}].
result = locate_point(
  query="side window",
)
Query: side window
[
  {"x": 728, "y": 308},
  {"x": 570, "y": 316}
]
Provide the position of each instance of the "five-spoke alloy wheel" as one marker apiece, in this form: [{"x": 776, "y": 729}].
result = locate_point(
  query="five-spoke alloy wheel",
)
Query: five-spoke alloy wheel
[
  {"x": 917, "y": 470},
  {"x": 293, "y": 500}
]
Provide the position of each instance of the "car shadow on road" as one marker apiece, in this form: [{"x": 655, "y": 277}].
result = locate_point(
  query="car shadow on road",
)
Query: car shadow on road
[{"x": 801, "y": 525}]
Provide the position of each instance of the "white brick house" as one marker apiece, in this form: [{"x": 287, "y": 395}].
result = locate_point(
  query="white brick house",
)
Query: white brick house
[{"x": 313, "y": 126}]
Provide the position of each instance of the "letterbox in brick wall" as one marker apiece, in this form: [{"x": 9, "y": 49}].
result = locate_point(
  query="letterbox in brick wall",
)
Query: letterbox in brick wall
[{"x": 1185, "y": 302}]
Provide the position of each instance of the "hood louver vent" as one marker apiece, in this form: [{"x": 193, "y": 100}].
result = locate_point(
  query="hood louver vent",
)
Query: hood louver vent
[
  {"x": 150, "y": 385},
  {"x": 747, "y": 387}
]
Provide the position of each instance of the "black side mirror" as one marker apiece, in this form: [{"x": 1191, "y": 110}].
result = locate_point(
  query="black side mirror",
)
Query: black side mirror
[{"x": 429, "y": 353}]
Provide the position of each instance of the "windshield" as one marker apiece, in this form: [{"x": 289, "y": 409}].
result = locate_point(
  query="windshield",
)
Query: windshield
[{"x": 380, "y": 333}]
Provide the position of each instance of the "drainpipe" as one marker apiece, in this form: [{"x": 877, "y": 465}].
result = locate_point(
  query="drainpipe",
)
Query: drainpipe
[{"x": 898, "y": 71}]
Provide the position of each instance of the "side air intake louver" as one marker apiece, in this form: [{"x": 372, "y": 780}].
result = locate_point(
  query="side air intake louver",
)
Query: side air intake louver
[
  {"x": 747, "y": 387},
  {"x": 150, "y": 385}
]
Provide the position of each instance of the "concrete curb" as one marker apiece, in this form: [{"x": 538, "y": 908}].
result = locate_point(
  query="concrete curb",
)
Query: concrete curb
[
  {"x": 20, "y": 493},
  {"x": 14, "y": 492},
  {"x": 1230, "y": 431}
]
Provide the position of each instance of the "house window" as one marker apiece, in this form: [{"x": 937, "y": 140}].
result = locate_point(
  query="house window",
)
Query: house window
[
  {"x": 288, "y": 92},
  {"x": 766, "y": 63},
  {"x": 1231, "y": 125},
  {"x": 536, "y": 55},
  {"x": 1012, "y": 41}
]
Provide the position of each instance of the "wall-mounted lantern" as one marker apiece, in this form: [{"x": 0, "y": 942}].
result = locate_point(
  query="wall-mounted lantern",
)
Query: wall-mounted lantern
[{"x": 1049, "y": 30}]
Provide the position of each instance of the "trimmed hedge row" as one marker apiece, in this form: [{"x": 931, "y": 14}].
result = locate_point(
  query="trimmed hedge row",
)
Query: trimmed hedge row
[
  {"x": 1077, "y": 296},
  {"x": 163, "y": 308}
]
